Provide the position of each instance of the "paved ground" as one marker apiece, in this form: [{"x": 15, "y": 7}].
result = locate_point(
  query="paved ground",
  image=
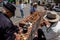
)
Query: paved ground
[{"x": 18, "y": 14}]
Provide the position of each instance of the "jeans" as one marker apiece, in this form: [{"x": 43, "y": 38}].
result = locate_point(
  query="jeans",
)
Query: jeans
[{"x": 22, "y": 13}]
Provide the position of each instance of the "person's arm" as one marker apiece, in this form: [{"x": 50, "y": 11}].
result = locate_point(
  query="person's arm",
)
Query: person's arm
[
  {"x": 17, "y": 36},
  {"x": 14, "y": 29},
  {"x": 1, "y": 33},
  {"x": 47, "y": 24}
]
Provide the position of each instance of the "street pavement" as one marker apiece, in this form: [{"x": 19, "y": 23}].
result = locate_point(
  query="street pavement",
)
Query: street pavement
[
  {"x": 17, "y": 17},
  {"x": 18, "y": 14}
]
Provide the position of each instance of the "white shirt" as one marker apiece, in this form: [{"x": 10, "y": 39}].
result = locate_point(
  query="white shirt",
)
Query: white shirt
[
  {"x": 54, "y": 33},
  {"x": 21, "y": 6}
]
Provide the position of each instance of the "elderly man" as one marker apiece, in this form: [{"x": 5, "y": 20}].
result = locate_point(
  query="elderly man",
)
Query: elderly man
[
  {"x": 7, "y": 29},
  {"x": 52, "y": 24}
]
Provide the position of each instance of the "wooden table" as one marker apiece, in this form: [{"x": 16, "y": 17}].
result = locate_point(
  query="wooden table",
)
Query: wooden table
[{"x": 34, "y": 19}]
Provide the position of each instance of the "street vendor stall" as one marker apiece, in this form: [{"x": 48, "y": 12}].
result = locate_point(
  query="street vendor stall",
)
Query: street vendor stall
[{"x": 29, "y": 25}]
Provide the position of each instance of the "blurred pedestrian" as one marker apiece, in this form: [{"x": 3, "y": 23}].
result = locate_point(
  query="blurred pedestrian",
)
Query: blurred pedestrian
[
  {"x": 7, "y": 28},
  {"x": 21, "y": 8},
  {"x": 33, "y": 8}
]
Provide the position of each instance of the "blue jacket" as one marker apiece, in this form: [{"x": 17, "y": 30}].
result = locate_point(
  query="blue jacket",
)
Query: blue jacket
[
  {"x": 7, "y": 28},
  {"x": 33, "y": 9}
]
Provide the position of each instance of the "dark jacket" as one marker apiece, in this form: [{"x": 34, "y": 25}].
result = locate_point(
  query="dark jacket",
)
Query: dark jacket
[
  {"x": 40, "y": 33},
  {"x": 7, "y": 28}
]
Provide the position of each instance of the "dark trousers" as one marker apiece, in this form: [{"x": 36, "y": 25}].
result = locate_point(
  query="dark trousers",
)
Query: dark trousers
[
  {"x": 22, "y": 13},
  {"x": 40, "y": 34}
]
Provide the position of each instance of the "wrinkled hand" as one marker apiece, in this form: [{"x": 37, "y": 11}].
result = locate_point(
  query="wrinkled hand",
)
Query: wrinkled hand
[{"x": 47, "y": 24}]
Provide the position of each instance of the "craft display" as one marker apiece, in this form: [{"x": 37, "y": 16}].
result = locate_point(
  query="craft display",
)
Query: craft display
[{"x": 27, "y": 25}]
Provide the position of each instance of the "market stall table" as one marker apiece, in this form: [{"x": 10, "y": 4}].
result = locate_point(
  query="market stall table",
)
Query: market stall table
[{"x": 33, "y": 19}]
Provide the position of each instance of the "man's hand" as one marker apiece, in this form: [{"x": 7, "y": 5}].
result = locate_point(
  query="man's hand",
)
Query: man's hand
[
  {"x": 17, "y": 36},
  {"x": 47, "y": 23}
]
